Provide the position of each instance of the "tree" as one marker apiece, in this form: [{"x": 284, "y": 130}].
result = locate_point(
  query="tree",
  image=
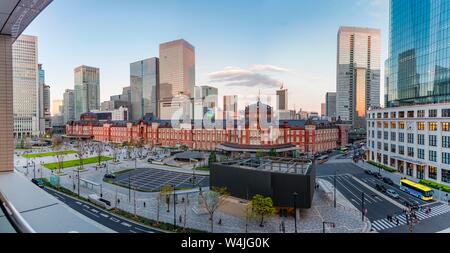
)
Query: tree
[
  {"x": 263, "y": 207},
  {"x": 249, "y": 214},
  {"x": 115, "y": 151},
  {"x": 127, "y": 146},
  {"x": 81, "y": 151},
  {"x": 58, "y": 149},
  {"x": 212, "y": 158},
  {"x": 273, "y": 152},
  {"x": 99, "y": 149},
  {"x": 212, "y": 200},
  {"x": 166, "y": 191},
  {"x": 260, "y": 154}
]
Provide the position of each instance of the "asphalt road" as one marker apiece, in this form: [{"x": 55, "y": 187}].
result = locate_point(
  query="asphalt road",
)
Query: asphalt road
[{"x": 101, "y": 216}]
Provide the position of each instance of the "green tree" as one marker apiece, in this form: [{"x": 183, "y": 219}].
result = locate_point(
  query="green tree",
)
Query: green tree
[
  {"x": 260, "y": 154},
  {"x": 212, "y": 158},
  {"x": 99, "y": 149},
  {"x": 58, "y": 149},
  {"x": 273, "y": 152},
  {"x": 263, "y": 207},
  {"x": 248, "y": 214}
]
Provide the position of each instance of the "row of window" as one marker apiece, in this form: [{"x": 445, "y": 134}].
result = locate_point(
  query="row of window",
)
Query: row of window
[
  {"x": 432, "y": 113},
  {"x": 432, "y": 139}
]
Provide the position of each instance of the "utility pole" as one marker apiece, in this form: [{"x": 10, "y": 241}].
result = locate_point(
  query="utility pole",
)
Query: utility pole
[
  {"x": 129, "y": 188},
  {"x": 78, "y": 182},
  {"x": 295, "y": 195},
  {"x": 362, "y": 205},
  {"x": 34, "y": 169},
  {"x": 174, "y": 209}
]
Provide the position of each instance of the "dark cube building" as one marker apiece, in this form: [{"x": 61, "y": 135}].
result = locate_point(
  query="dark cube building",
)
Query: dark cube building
[{"x": 278, "y": 178}]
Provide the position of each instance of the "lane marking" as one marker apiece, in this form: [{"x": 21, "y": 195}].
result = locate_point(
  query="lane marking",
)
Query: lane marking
[
  {"x": 126, "y": 224},
  {"x": 104, "y": 215},
  {"x": 95, "y": 210},
  {"x": 114, "y": 219}
]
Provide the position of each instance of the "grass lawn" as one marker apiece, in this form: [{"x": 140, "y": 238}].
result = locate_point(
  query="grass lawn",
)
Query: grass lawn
[
  {"x": 75, "y": 163},
  {"x": 67, "y": 152},
  {"x": 204, "y": 168}
]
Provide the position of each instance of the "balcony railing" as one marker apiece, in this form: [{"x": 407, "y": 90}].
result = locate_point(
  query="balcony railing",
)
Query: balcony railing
[{"x": 14, "y": 218}]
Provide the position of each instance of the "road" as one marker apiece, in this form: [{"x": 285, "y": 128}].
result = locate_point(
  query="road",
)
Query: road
[
  {"x": 379, "y": 205},
  {"x": 99, "y": 215}
]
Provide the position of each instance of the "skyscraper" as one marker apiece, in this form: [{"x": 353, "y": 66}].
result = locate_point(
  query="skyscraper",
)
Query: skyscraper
[
  {"x": 358, "y": 73},
  {"x": 41, "y": 85},
  {"x": 68, "y": 106},
  {"x": 418, "y": 68},
  {"x": 46, "y": 108},
  {"x": 144, "y": 79},
  {"x": 25, "y": 90},
  {"x": 230, "y": 107},
  {"x": 177, "y": 68},
  {"x": 205, "y": 102},
  {"x": 282, "y": 98},
  {"x": 57, "y": 106},
  {"x": 323, "y": 109},
  {"x": 87, "y": 90},
  {"x": 331, "y": 104}
]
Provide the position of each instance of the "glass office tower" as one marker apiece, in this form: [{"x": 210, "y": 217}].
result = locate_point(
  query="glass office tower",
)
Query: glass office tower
[
  {"x": 417, "y": 70},
  {"x": 144, "y": 79}
]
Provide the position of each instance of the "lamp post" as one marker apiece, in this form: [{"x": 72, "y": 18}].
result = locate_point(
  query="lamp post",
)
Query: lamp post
[
  {"x": 335, "y": 194},
  {"x": 295, "y": 195},
  {"x": 34, "y": 169},
  {"x": 174, "y": 208}
]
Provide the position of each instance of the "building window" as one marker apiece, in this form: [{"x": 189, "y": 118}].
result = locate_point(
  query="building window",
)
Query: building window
[
  {"x": 432, "y": 126},
  {"x": 379, "y": 124},
  {"x": 410, "y": 152},
  {"x": 386, "y": 124},
  {"x": 421, "y": 126},
  {"x": 379, "y": 115},
  {"x": 401, "y": 137},
  {"x": 411, "y": 138},
  {"x": 432, "y": 172},
  {"x": 445, "y": 158},
  {"x": 393, "y": 136},
  {"x": 401, "y": 115},
  {"x": 421, "y": 154},
  {"x": 421, "y": 114},
  {"x": 386, "y": 147},
  {"x": 421, "y": 139},
  {"x": 386, "y": 135},
  {"x": 445, "y": 113},
  {"x": 446, "y": 127},
  {"x": 401, "y": 125},
  {"x": 433, "y": 140},
  {"x": 393, "y": 125},
  {"x": 393, "y": 115},
  {"x": 432, "y": 156},
  {"x": 393, "y": 148},
  {"x": 386, "y": 115},
  {"x": 446, "y": 141},
  {"x": 445, "y": 176},
  {"x": 432, "y": 113},
  {"x": 420, "y": 172},
  {"x": 379, "y": 134},
  {"x": 379, "y": 145},
  {"x": 401, "y": 150},
  {"x": 410, "y": 114}
]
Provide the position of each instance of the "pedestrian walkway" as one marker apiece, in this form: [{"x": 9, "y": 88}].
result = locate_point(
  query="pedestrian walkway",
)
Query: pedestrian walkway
[{"x": 384, "y": 224}]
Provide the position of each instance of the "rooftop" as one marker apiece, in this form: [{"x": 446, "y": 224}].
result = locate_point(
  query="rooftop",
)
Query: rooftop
[{"x": 274, "y": 164}]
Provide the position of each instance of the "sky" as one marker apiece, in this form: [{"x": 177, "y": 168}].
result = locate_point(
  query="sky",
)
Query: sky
[{"x": 243, "y": 47}]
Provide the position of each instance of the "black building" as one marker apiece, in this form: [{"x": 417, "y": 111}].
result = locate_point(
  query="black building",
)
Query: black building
[{"x": 278, "y": 178}]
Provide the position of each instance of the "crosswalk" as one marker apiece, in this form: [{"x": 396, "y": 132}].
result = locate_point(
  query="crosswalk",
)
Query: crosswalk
[{"x": 384, "y": 224}]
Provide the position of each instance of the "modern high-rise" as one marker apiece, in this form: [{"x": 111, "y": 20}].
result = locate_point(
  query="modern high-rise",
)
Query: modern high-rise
[
  {"x": 41, "y": 85},
  {"x": 418, "y": 68},
  {"x": 47, "y": 108},
  {"x": 26, "y": 86},
  {"x": 323, "y": 109},
  {"x": 177, "y": 68},
  {"x": 68, "y": 106},
  {"x": 230, "y": 107},
  {"x": 87, "y": 90},
  {"x": 206, "y": 100},
  {"x": 144, "y": 79},
  {"x": 282, "y": 98},
  {"x": 330, "y": 101},
  {"x": 57, "y": 106},
  {"x": 358, "y": 73}
]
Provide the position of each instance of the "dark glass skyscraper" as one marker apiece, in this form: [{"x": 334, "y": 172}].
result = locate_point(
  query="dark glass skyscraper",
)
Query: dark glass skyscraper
[{"x": 418, "y": 68}]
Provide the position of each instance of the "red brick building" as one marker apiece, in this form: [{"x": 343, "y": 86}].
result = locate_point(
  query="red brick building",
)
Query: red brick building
[{"x": 308, "y": 136}]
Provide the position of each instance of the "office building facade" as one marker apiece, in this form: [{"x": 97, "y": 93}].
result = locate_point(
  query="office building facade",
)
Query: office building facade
[
  {"x": 177, "y": 69},
  {"x": 26, "y": 86},
  {"x": 144, "y": 79},
  {"x": 230, "y": 107},
  {"x": 87, "y": 90},
  {"x": 68, "y": 106},
  {"x": 358, "y": 73},
  {"x": 331, "y": 104},
  {"x": 282, "y": 100}
]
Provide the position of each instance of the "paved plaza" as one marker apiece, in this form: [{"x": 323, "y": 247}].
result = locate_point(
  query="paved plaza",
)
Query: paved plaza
[{"x": 150, "y": 179}]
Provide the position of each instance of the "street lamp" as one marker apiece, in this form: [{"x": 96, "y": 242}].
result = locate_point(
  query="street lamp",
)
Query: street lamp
[{"x": 295, "y": 195}]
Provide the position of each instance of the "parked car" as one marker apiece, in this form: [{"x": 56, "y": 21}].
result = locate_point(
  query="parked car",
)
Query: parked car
[
  {"x": 380, "y": 188},
  {"x": 378, "y": 175},
  {"x": 369, "y": 172},
  {"x": 38, "y": 182},
  {"x": 388, "y": 181},
  {"x": 393, "y": 194},
  {"x": 110, "y": 176}
]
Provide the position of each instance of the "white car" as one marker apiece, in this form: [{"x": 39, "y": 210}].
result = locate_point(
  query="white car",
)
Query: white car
[{"x": 392, "y": 194}]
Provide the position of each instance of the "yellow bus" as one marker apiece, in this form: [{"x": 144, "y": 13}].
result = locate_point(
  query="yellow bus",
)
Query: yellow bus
[{"x": 420, "y": 191}]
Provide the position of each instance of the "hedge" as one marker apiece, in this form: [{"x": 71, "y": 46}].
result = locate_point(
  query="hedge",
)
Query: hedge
[
  {"x": 435, "y": 185},
  {"x": 381, "y": 166}
]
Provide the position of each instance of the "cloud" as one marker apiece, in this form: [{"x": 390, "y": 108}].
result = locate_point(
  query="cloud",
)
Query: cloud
[
  {"x": 233, "y": 76},
  {"x": 269, "y": 68}
]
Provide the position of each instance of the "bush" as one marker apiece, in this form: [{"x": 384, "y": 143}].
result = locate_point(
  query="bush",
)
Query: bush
[
  {"x": 382, "y": 166},
  {"x": 435, "y": 185}
]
